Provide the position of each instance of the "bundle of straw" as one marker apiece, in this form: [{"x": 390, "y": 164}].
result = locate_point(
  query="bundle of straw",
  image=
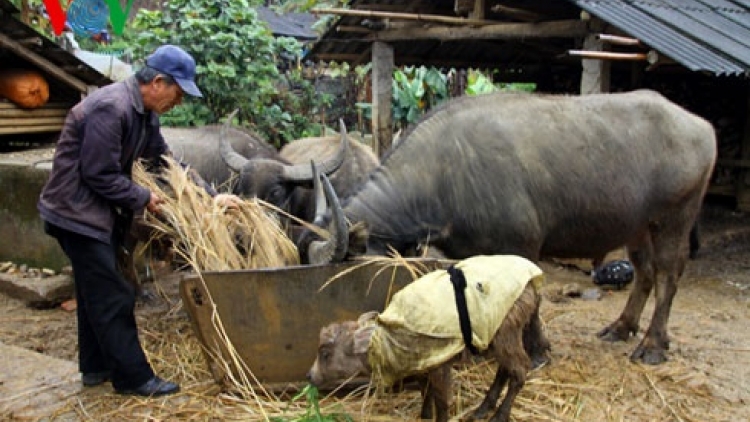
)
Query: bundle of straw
[{"x": 209, "y": 236}]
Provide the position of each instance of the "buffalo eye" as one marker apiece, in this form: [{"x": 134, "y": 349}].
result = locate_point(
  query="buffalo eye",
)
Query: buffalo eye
[
  {"x": 276, "y": 195},
  {"x": 325, "y": 354}
]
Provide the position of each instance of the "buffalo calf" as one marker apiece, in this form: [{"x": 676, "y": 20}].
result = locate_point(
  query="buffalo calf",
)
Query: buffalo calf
[{"x": 423, "y": 331}]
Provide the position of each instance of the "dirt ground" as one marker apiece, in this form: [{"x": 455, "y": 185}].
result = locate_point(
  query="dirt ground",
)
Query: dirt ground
[{"x": 707, "y": 377}]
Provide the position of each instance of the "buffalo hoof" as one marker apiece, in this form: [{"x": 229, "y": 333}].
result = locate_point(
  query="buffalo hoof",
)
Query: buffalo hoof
[
  {"x": 649, "y": 355},
  {"x": 613, "y": 333},
  {"x": 479, "y": 414},
  {"x": 539, "y": 361}
]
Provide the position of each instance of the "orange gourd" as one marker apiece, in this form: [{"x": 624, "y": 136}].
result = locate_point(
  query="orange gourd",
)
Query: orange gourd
[{"x": 25, "y": 88}]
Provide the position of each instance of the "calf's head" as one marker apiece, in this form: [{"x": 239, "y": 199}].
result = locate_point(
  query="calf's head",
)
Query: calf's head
[{"x": 342, "y": 351}]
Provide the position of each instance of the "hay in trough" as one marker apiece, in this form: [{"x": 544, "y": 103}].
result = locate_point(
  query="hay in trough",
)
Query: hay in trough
[{"x": 209, "y": 236}]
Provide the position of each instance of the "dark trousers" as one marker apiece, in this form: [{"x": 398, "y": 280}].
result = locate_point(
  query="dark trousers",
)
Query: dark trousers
[{"x": 107, "y": 331}]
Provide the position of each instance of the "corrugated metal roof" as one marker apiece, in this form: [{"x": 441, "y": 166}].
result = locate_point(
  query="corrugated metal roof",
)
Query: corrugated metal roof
[
  {"x": 296, "y": 25},
  {"x": 702, "y": 35}
]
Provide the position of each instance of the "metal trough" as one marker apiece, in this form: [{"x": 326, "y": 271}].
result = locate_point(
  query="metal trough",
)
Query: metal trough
[{"x": 273, "y": 316}]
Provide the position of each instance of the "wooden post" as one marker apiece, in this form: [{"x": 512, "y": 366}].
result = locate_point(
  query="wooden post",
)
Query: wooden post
[
  {"x": 382, "y": 87},
  {"x": 595, "y": 72},
  {"x": 743, "y": 179},
  {"x": 478, "y": 12}
]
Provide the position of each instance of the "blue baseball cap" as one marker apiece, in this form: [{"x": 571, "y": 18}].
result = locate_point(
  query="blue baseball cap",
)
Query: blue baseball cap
[{"x": 177, "y": 63}]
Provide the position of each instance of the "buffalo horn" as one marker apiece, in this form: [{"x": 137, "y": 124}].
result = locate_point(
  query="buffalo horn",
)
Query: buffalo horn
[
  {"x": 232, "y": 159},
  {"x": 301, "y": 172},
  {"x": 334, "y": 249}
]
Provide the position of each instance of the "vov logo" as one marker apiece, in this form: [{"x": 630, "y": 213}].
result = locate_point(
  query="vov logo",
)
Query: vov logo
[{"x": 88, "y": 11}]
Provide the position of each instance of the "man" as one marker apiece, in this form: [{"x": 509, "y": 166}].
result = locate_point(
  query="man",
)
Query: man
[{"x": 88, "y": 203}]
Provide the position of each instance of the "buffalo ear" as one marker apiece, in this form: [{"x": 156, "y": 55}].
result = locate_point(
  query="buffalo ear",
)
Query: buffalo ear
[
  {"x": 365, "y": 327},
  {"x": 361, "y": 341},
  {"x": 366, "y": 317}
]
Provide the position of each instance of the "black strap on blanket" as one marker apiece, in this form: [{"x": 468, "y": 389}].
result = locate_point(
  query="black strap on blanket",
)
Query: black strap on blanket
[{"x": 459, "y": 285}]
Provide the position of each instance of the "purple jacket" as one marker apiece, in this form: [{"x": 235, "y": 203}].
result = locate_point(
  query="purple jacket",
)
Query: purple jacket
[{"x": 88, "y": 179}]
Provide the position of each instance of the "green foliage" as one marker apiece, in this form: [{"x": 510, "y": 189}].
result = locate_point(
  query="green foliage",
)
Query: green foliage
[
  {"x": 313, "y": 414},
  {"x": 478, "y": 83},
  {"x": 415, "y": 90},
  {"x": 236, "y": 57},
  {"x": 40, "y": 23}
]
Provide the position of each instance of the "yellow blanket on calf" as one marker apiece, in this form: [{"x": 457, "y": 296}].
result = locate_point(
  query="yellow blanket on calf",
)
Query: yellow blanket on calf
[{"x": 420, "y": 329}]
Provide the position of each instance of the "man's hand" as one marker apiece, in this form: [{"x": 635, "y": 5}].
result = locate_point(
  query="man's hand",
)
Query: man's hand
[
  {"x": 228, "y": 200},
  {"x": 153, "y": 204}
]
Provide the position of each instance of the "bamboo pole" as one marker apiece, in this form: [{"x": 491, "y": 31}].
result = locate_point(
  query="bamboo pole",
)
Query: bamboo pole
[
  {"x": 619, "y": 40},
  {"x": 608, "y": 55},
  {"x": 404, "y": 16}
]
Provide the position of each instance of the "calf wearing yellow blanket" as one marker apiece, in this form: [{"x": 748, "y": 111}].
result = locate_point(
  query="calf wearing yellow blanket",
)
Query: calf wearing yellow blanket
[{"x": 419, "y": 334}]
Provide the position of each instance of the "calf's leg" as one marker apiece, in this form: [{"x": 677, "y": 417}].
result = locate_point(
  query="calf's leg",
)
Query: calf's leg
[
  {"x": 509, "y": 347},
  {"x": 437, "y": 392}
]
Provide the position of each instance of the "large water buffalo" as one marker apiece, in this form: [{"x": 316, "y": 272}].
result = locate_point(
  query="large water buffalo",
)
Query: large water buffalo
[{"x": 548, "y": 176}]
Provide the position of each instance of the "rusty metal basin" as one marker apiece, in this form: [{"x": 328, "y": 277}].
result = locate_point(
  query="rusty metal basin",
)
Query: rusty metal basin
[{"x": 273, "y": 316}]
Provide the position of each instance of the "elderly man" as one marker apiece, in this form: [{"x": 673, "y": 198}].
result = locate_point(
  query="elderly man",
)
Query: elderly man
[{"x": 88, "y": 204}]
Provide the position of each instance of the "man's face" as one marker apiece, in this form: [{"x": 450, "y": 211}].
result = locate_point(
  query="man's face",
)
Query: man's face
[{"x": 163, "y": 96}]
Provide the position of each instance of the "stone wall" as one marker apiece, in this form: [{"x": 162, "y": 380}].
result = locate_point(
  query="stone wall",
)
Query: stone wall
[{"x": 22, "y": 237}]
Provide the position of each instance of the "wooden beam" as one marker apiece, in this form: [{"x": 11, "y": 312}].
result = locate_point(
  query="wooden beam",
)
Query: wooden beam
[
  {"x": 40, "y": 61},
  {"x": 595, "y": 74},
  {"x": 742, "y": 186},
  {"x": 515, "y": 13},
  {"x": 10, "y": 106},
  {"x": 382, "y": 89},
  {"x": 32, "y": 121},
  {"x": 337, "y": 57},
  {"x": 30, "y": 129},
  {"x": 353, "y": 29},
  {"x": 478, "y": 12},
  {"x": 563, "y": 29},
  {"x": 403, "y": 16},
  {"x": 37, "y": 112}
]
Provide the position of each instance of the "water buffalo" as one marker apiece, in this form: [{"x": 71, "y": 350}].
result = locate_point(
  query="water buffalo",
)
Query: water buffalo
[
  {"x": 198, "y": 147},
  {"x": 418, "y": 336},
  {"x": 547, "y": 176},
  {"x": 286, "y": 180}
]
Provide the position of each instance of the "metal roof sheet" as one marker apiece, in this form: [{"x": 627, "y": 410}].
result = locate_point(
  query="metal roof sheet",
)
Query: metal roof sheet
[
  {"x": 296, "y": 25},
  {"x": 703, "y": 35}
]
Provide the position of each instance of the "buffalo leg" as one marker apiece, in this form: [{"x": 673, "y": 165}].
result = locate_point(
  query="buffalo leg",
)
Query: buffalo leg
[
  {"x": 490, "y": 399},
  {"x": 438, "y": 391},
  {"x": 427, "y": 398},
  {"x": 535, "y": 343},
  {"x": 516, "y": 381},
  {"x": 641, "y": 255},
  {"x": 670, "y": 246}
]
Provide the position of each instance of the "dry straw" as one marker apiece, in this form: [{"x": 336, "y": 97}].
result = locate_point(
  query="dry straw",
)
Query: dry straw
[{"x": 212, "y": 237}]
